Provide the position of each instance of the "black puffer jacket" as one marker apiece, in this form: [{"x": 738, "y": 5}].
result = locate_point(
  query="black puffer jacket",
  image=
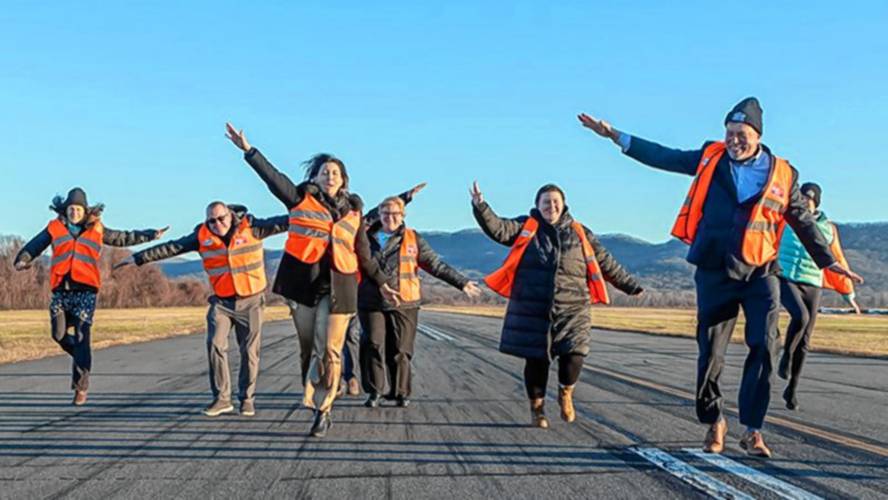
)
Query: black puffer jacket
[
  {"x": 389, "y": 257},
  {"x": 549, "y": 311},
  {"x": 308, "y": 283}
]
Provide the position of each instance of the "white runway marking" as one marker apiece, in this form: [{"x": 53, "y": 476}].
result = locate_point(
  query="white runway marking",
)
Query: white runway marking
[
  {"x": 781, "y": 488},
  {"x": 690, "y": 474}
]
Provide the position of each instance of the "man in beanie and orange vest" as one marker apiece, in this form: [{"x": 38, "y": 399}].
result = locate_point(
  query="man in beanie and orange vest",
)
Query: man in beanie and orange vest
[
  {"x": 740, "y": 200},
  {"x": 230, "y": 246},
  {"x": 389, "y": 330},
  {"x": 801, "y": 282},
  {"x": 77, "y": 236}
]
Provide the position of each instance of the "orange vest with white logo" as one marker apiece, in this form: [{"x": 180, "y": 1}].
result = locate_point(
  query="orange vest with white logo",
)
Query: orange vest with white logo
[
  {"x": 503, "y": 279},
  {"x": 761, "y": 236},
  {"x": 831, "y": 279},
  {"x": 78, "y": 256},
  {"x": 312, "y": 230},
  {"x": 408, "y": 268},
  {"x": 236, "y": 269}
]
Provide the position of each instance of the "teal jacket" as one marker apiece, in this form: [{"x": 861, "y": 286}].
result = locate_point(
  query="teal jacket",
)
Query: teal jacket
[{"x": 795, "y": 262}]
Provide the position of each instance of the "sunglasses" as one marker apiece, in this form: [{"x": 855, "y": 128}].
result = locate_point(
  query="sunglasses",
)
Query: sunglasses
[{"x": 217, "y": 220}]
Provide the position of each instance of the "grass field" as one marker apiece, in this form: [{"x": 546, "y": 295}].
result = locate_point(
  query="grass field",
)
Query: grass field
[
  {"x": 25, "y": 334},
  {"x": 842, "y": 334}
]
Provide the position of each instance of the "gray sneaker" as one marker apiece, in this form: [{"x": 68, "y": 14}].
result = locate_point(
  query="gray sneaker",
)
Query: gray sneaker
[
  {"x": 247, "y": 409},
  {"x": 217, "y": 408}
]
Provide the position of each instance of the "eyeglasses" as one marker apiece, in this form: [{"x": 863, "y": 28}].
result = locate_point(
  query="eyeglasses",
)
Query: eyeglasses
[{"x": 217, "y": 220}]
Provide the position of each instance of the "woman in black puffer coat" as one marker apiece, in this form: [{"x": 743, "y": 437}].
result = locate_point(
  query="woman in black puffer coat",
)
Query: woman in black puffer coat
[{"x": 551, "y": 287}]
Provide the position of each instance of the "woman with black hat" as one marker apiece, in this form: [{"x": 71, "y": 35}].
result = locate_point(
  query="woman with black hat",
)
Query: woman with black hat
[
  {"x": 326, "y": 248},
  {"x": 555, "y": 271},
  {"x": 801, "y": 282},
  {"x": 76, "y": 236}
]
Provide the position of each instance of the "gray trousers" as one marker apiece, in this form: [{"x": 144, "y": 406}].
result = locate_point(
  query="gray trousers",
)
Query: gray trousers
[{"x": 245, "y": 315}]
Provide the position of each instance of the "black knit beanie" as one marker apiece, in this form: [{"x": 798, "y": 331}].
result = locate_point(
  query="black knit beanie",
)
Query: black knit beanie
[{"x": 747, "y": 111}]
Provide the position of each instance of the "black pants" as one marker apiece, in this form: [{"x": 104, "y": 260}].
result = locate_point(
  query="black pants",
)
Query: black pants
[
  {"x": 387, "y": 344},
  {"x": 719, "y": 299},
  {"x": 74, "y": 310},
  {"x": 801, "y": 301},
  {"x": 351, "y": 350},
  {"x": 536, "y": 373}
]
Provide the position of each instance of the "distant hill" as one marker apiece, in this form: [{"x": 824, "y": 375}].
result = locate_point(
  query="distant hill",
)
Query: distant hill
[{"x": 660, "y": 266}]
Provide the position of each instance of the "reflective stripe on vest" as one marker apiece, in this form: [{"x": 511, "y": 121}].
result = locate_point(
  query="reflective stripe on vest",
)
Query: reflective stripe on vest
[
  {"x": 78, "y": 257},
  {"x": 408, "y": 268},
  {"x": 831, "y": 279},
  {"x": 237, "y": 269},
  {"x": 761, "y": 236},
  {"x": 503, "y": 279},
  {"x": 312, "y": 229}
]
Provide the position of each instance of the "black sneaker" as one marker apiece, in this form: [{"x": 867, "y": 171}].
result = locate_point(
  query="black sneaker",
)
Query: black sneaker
[
  {"x": 322, "y": 423},
  {"x": 402, "y": 402},
  {"x": 789, "y": 395},
  {"x": 218, "y": 407},
  {"x": 373, "y": 400}
]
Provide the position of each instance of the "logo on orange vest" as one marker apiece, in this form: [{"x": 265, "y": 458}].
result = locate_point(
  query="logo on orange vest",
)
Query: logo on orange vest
[
  {"x": 240, "y": 240},
  {"x": 208, "y": 242},
  {"x": 525, "y": 234},
  {"x": 412, "y": 251},
  {"x": 777, "y": 191}
]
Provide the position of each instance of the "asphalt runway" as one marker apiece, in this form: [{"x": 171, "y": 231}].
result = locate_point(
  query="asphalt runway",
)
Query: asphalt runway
[{"x": 466, "y": 434}]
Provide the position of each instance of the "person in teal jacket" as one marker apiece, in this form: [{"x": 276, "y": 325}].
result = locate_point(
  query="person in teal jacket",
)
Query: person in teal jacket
[{"x": 801, "y": 283}]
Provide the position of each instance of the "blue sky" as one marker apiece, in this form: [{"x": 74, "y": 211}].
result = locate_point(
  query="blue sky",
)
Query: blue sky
[{"x": 129, "y": 101}]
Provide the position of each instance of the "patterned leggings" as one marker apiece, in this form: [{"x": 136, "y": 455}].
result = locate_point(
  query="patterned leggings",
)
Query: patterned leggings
[{"x": 70, "y": 309}]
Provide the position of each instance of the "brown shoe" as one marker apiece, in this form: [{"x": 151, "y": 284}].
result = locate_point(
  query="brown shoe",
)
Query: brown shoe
[
  {"x": 715, "y": 437},
  {"x": 354, "y": 389},
  {"x": 79, "y": 398},
  {"x": 565, "y": 400},
  {"x": 754, "y": 444},
  {"x": 538, "y": 414}
]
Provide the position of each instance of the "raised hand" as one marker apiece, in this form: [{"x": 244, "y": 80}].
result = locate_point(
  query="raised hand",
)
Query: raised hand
[
  {"x": 417, "y": 188},
  {"x": 839, "y": 269},
  {"x": 237, "y": 137},
  {"x": 600, "y": 127},
  {"x": 125, "y": 262},
  {"x": 390, "y": 294},
  {"x": 158, "y": 233},
  {"x": 477, "y": 197},
  {"x": 472, "y": 290}
]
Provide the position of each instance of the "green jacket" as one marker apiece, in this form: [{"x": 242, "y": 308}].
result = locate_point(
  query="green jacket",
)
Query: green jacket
[{"x": 795, "y": 262}]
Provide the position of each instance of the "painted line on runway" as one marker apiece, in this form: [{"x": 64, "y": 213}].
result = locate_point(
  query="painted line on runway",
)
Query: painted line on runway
[
  {"x": 796, "y": 426},
  {"x": 435, "y": 333},
  {"x": 690, "y": 474},
  {"x": 424, "y": 330},
  {"x": 781, "y": 488}
]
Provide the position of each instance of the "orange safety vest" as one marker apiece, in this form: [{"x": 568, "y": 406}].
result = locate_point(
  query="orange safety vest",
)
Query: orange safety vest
[
  {"x": 831, "y": 279},
  {"x": 502, "y": 280},
  {"x": 408, "y": 268},
  {"x": 312, "y": 229},
  {"x": 235, "y": 269},
  {"x": 761, "y": 237},
  {"x": 78, "y": 256}
]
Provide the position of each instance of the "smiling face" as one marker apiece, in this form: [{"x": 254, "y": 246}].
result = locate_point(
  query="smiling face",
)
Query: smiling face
[
  {"x": 75, "y": 213},
  {"x": 551, "y": 206},
  {"x": 329, "y": 178},
  {"x": 218, "y": 219},
  {"x": 391, "y": 215},
  {"x": 741, "y": 140}
]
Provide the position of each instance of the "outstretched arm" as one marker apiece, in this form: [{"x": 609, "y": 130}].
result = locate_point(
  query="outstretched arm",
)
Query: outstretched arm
[
  {"x": 117, "y": 238},
  {"x": 32, "y": 249},
  {"x": 647, "y": 152},
  {"x": 613, "y": 272},
  {"x": 166, "y": 250},
  {"x": 431, "y": 262},
  {"x": 278, "y": 183},
  {"x": 263, "y": 228},
  {"x": 500, "y": 230}
]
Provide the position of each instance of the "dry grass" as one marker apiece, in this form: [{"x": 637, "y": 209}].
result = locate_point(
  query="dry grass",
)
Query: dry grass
[
  {"x": 842, "y": 334},
  {"x": 25, "y": 334}
]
